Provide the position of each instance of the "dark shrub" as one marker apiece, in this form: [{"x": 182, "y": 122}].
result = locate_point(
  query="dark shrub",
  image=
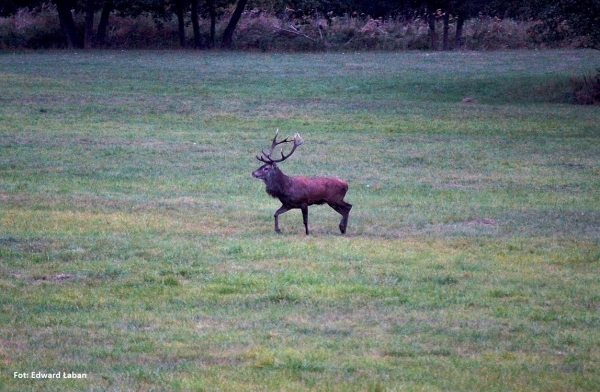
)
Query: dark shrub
[{"x": 586, "y": 89}]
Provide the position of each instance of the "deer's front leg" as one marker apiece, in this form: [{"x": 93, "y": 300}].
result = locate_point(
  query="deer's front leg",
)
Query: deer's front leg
[
  {"x": 304, "y": 209},
  {"x": 281, "y": 210}
]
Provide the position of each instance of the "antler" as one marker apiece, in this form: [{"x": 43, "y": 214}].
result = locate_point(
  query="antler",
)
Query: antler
[{"x": 266, "y": 157}]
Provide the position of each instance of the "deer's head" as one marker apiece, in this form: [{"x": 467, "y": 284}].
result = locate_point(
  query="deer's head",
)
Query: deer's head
[{"x": 270, "y": 164}]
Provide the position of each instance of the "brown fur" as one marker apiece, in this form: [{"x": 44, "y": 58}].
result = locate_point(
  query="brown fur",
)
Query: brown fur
[{"x": 301, "y": 192}]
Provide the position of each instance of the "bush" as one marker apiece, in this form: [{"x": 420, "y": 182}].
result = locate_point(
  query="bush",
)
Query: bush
[
  {"x": 38, "y": 29},
  {"x": 484, "y": 33},
  {"x": 586, "y": 89},
  {"x": 142, "y": 32},
  {"x": 266, "y": 31}
]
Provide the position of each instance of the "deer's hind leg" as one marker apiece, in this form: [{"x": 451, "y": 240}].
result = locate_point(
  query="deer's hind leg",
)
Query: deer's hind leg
[{"x": 343, "y": 209}]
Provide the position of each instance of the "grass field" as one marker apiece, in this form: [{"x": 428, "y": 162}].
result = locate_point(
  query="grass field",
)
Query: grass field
[{"x": 135, "y": 247}]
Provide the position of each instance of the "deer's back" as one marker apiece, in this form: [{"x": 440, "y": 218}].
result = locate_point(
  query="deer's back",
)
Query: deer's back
[{"x": 316, "y": 190}]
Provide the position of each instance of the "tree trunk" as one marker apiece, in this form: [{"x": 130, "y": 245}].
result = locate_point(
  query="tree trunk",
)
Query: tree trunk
[
  {"x": 458, "y": 40},
  {"x": 67, "y": 24},
  {"x": 103, "y": 24},
  {"x": 88, "y": 38},
  {"x": 213, "y": 22},
  {"x": 235, "y": 18},
  {"x": 179, "y": 4},
  {"x": 431, "y": 22},
  {"x": 196, "y": 25},
  {"x": 446, "y": 19}
]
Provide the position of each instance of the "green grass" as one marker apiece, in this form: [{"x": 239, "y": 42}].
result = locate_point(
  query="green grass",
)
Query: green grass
[{"x": 136, "y": 248}]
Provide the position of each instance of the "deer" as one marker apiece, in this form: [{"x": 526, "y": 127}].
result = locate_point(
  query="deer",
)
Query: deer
[{"x": 298, "y": 191}]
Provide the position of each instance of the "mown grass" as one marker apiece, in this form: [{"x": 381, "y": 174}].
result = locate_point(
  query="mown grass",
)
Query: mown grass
[{"x": 135, "y": 247}]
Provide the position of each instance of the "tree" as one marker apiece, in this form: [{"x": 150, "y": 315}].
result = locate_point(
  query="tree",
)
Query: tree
[
  {"x": 227, "y": 38},
  {"x": 559, "y": 20},
  {"x": 569, "y": 19},
  {"x": 195, "y": 24},
  {"x": 179, "y": 11},
  {"x": 463, "y": 10},
  {"x": 446, "y": 21},
  {"x": 103, "y": 24},
  {"x": 212, "y": 12},
  {"x": 67, "y": 24},
  {"x": 431, "y": 14},
  {"x": 210, "y": 9},
  {"x": 90, "y": 39},
  {"x": 437, "y": 9}
]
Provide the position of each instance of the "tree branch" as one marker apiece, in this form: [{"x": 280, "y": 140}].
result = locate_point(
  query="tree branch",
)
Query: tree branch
[{"x": 295, "y": 32}]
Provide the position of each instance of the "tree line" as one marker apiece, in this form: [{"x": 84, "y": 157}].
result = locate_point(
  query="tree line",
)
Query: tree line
[{"x": 559, "y": 19}]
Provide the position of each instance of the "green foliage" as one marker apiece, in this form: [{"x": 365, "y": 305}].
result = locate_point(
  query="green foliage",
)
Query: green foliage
[
  {"x": 136, "y": 248},
  {"x": 574, "y": 20}
]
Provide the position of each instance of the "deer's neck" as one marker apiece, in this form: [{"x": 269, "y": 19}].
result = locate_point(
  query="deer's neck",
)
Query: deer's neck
[{"x": 276, "y": 183}]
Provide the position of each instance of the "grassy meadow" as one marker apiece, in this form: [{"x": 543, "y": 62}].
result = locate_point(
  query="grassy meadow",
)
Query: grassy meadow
[{"x": 135, "y": 247}]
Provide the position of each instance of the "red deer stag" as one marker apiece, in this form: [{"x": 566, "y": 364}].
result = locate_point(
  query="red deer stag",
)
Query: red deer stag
[{"x": 300, "y": 192}]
